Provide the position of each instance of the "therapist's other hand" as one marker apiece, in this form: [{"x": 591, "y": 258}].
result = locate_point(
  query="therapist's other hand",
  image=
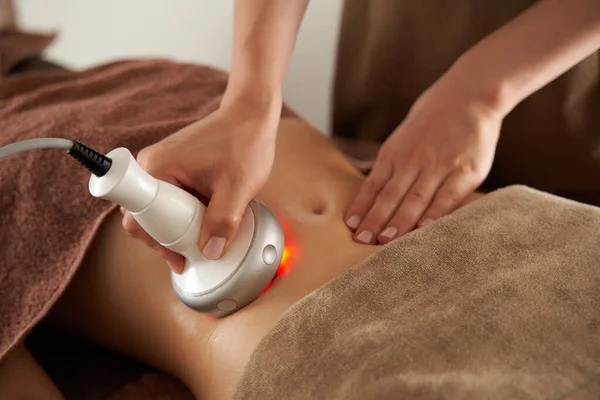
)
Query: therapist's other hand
[
  {"x": 225, "y": 157},
  {"x": 438, "y": 156}
]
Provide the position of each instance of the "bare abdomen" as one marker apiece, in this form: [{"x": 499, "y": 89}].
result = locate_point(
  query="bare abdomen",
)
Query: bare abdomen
[{"x": 309, "y": 190}]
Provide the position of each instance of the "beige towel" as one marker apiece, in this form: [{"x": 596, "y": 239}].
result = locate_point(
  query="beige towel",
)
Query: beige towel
[{"x": 500, "y": 300}]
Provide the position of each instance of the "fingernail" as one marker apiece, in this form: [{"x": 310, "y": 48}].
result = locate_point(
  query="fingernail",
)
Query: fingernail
[
  {"x": 426, "y": 222},
  {"x": 214, "y": 247},
  {"x": 389, "y": 232},
  {"x": 353, "y": 221},
  {"x": 122, "y": 209},
  {"x": 365, "y": 237}
]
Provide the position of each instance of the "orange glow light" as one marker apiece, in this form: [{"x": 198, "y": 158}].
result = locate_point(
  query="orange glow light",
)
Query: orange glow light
[
  {"x": 287, "y": 256},
  {"x": 284, "y": 265}
]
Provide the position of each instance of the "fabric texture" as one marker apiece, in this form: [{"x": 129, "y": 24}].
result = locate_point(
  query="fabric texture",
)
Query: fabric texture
[
  {"x": 497, "y": 301},
  {"x": 47, "y": 216},
  {"x": 391, "y": 51},
  {"x": 153, "y": 387}
]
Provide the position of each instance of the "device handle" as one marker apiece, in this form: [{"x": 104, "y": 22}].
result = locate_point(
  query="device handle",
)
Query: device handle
[{"x": 166, "y": 212}]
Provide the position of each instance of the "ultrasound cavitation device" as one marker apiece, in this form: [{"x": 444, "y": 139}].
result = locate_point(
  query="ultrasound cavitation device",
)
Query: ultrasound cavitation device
[{"x": 173, "y": 217}]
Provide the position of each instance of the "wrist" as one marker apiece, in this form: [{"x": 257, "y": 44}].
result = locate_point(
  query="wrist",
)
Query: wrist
[
  {"x": 481, "y": 85},
  {"x": 254, "y": 103},
  {"x": 252, "y": 95}
]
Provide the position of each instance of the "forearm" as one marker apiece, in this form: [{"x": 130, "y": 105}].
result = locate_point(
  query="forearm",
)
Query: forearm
[
  {"x": 7, "y": 14},
  {"x": 530, "y": 51},
  {"x": 264, "y": 36}
]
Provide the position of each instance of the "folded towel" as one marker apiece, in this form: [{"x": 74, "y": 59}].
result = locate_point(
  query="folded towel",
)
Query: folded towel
[{"x": 500, "y": 300}]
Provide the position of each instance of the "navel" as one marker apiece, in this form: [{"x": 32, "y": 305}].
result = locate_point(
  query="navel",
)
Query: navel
[{"x": 319, "y": 206}]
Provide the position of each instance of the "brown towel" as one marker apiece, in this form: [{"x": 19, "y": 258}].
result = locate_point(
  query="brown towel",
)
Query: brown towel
[
  {"x": 47, "y": 217},
  {"x": 500, "y": 300}
]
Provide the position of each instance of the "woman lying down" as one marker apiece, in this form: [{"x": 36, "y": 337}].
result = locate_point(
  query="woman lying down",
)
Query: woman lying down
[
  {"x": 497, "y": 298},
  {"x": 121, "y": 295}
]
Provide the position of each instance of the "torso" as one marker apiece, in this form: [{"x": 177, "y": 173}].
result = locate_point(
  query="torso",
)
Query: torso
[
  {"x": 310, "y": 186},
  {"x": 123, "y": 299}
]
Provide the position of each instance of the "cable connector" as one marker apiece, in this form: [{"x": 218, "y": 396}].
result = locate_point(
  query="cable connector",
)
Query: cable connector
[{"x": 96, "y": 162}]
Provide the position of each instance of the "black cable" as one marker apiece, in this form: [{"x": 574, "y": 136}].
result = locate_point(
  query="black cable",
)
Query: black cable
[{"x": 96, "y": 162}]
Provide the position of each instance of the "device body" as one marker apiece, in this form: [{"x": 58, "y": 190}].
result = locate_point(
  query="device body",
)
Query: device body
[{"x": 173, "y": 217}]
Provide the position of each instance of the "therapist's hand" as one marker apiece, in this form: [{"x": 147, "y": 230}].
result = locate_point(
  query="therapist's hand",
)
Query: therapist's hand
[
  {"x": 225, "y": 157},
  {"x": 438, "y": 156}
]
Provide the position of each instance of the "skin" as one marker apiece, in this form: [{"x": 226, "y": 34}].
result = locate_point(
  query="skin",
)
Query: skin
[
  {"x": 122, "y": 296},
  {"x": 241, "y": 154},
  {"x": 7, "y": 15},
  {"x": 445, "y": 147},
  {"x": 22, "y": 378},
  {"x": 429, "y": 164}
]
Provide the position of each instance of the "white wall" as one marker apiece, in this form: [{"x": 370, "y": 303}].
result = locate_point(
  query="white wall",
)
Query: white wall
[{"x": 92, "y": 32}]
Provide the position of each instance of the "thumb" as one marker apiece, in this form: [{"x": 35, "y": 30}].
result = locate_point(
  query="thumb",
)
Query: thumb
[{"x": 222, "y": 218}]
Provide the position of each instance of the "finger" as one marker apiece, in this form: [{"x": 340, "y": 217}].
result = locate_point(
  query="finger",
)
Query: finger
[
  {"x": 176, "y": 262},
  {"x": 134, "y": 229},
  {"x": 223, "y": 215},
  {"x": 131, "y": 226},
  {"x": 456, "y": 188},
  {"x": 367, "y": 193},
  {"x": 413, "y": 206},
  {"x": 363, "y": 166},
  {"x": 385, "y": 205}
]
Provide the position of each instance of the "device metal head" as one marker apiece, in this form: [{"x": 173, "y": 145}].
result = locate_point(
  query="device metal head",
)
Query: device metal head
[
  {"x": 221, "y": 287},
  {"x": 173, "y": 217}
]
